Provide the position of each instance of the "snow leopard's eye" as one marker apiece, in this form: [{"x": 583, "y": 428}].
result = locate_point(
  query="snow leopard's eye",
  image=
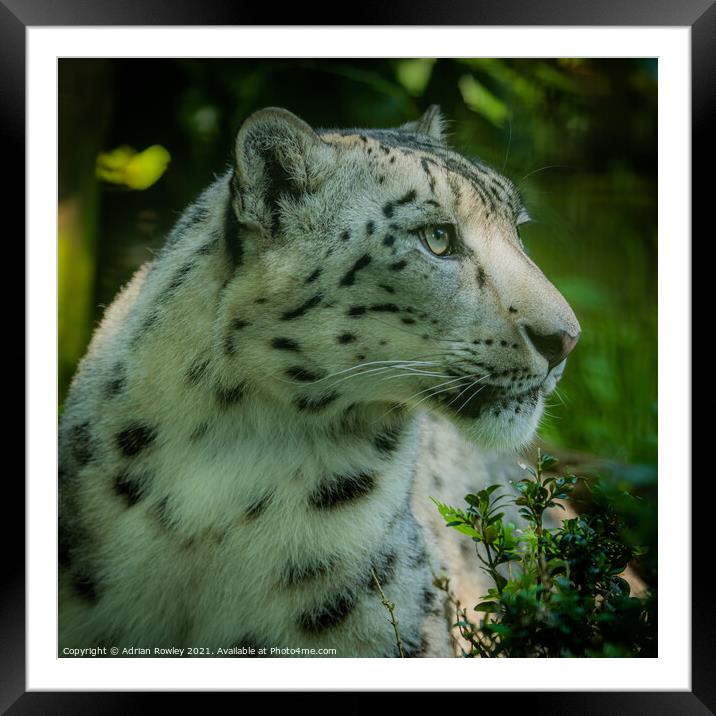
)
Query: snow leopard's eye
[{"x": 439, "y": 240}]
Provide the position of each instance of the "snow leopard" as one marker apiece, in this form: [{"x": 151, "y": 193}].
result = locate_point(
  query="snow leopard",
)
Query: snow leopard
[{"x": 344, "y": 324}]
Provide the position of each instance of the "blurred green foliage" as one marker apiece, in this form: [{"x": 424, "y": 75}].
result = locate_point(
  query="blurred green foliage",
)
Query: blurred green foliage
[{"x": 577, "y": 135}]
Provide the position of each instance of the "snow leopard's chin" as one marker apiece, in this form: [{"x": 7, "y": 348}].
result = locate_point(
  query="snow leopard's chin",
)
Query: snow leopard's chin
[{"x": 498, "y": 418}]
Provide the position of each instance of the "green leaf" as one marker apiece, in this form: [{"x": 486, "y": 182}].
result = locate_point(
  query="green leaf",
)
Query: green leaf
[
  {"x": 500, "y": 581},
  {"x": 486, "y": 607}
]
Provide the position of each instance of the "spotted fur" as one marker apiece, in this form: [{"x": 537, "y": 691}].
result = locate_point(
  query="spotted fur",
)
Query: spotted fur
[{"x": 267, "y": 406}]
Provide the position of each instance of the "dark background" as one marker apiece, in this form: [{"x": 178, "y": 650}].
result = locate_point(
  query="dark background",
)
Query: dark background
[{"x": 577, "y": 135}]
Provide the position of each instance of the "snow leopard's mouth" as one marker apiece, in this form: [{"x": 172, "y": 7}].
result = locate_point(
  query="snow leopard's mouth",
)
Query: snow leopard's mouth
[{"x": 492, "y": 399}]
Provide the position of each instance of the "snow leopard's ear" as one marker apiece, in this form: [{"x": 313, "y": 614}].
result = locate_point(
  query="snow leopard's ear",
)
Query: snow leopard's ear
[
  {"x": 278, "y": 156},
  {"x": 431, "y": 124}
]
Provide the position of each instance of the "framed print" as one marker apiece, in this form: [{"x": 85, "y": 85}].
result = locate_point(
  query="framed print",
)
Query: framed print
[{"x": 356, "y": 354}]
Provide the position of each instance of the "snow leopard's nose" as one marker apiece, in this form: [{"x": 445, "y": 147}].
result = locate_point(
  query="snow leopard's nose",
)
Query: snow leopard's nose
[{"x": 554, "y": 347}]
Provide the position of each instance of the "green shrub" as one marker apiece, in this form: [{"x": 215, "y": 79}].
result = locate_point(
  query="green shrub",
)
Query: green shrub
[{"x": 557, "y": 591}]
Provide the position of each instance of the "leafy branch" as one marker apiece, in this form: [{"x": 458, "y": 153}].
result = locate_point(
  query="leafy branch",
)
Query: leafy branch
[{"x": 564, "y": 595}]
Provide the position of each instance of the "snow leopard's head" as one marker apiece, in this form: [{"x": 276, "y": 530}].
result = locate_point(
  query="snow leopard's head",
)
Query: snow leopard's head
[{"x": 382, "y": 266}]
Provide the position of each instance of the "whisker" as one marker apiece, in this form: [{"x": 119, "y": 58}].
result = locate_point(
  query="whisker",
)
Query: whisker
[
  {"x": 406, "y": 368},
  {"x": 482, "y": 387},
  {"x": 457, "y": 397},
  {"x": 431, "y": 388},
  {"x": 509, "y": 144},
  {"x": 417, "y": 372},
  {"x": 356, "y": 367},
  {"x": 558, "y": 395},
  {"x": 435, "y": 387},
  {"x": 437, "y": 392},
  {"x": 541, "y": 169}
]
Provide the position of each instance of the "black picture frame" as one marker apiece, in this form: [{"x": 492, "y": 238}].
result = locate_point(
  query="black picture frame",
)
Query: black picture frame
[{"x": 699, "y": 15}]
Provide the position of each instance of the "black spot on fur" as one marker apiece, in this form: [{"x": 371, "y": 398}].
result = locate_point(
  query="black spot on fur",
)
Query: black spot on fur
[
  {"x": 164, "y": 514},
  {"x": 258, "y": 507},
  {"x": 294, "y": 575},
  {"x": 384, "y": 568},
  {"x": 421, "y": 558},
  {"x": 135, "y": 438},
  {"x": 132, "y": 488},
  {"x": 345, "y": 236},
  {"x": 389, "y": 240},
  {"x": 199, "y": 431},
  {"x": 303, "y": 374},
  {"x": 414, "y": 647},
  {"x": 356, "y": 311},
  {"x": 398, "y": 265},
  {"x": 387, "y": 288},
  {"x": 85, "y": 586},
  {"x": 82, "y": 443},
  {"x": 194, "y": 215},
  {"x": 480, "y": 277},
  {"x": 196, "y": 371},
  {"x": 252, "y": 644},
  {"x": 410, "y": 196},
  {"x": 208, "y": 248},
  {"x": 314, "y": 275},
  {"x": 303, "y": 308},
  {"x": 117, "y": 385},
  {"x": 425, "y": 164},
  {"x": 408, "y": 321},
  {"x": 346, "y": 338},
  {"x": 389, "y": 208},
  {"x": 286, "y": 344},
  {"x": 328, "y": 616},
  {"x": 370, "y": 228},
  {"x": 230, "y": 396},
  {"x": 229, "y": 344},
  {"x": 387, "y": 441},
  {"x": 350, "y": 276},
  {"x": 237, "y": 324},
  {"x": 64, "y": 547},
  {"x": 340, "y": 489},
  {"x": 429, "y": 595},
  {"x": 315, "y": 405},
  {"x": 385, "y": 308},
  {"x": 177, "y": 280}
]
